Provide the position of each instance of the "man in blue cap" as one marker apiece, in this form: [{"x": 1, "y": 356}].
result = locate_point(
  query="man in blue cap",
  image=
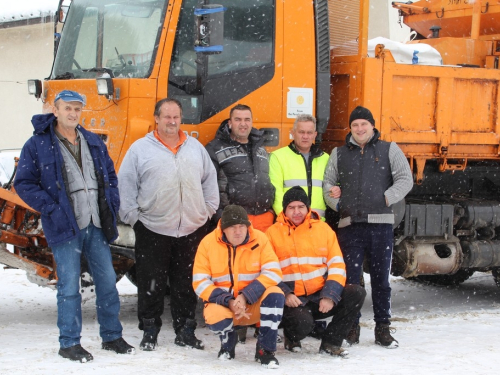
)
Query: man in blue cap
[{"x": 66, "y": 174}]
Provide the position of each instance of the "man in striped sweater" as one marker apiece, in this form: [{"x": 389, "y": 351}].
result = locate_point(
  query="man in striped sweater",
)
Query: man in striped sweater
[{"x": 363, "y": 180}]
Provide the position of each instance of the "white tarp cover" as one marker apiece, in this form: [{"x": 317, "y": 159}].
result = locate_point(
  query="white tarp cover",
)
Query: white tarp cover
[
  {"x": 25, "y": 9},
  {"x": 418, "y": 53}
]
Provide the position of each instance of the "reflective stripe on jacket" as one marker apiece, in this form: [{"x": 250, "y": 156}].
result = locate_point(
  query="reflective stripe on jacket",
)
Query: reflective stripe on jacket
[
  {"x": 308, "y": 254},
  {"x": 288, "y": 168},
  {"x": 222, "y": 271}
]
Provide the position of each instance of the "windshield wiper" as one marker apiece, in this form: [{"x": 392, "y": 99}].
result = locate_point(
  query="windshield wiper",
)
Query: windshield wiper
[
  {"x": 66, "y": 75},
  {"x": 99, "y": 70}
]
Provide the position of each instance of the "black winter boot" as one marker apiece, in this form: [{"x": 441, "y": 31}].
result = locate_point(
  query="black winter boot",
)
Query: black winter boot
[
  {"x": 150, "y": 336},
  {"x": 119, "y": 346},
  {"x": 266, "y": 358},
  {"x": 225, "y": 355},
  {"x": 353, "y": 335},
  {"x": 185, "y": 336},
  {"x": 242, "y": 335},
  {"x": 333, "y": 350},
  {"x": 293, "y": 346},
  {"x": 227, "y": 351},
  {"x": 76, "y": 353},
  {"x": 383, "y": 336}
]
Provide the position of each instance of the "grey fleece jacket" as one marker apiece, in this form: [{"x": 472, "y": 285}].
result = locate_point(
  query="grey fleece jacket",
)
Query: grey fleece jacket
[
  {"x": 172, "y": 195},
  {"x": 401, "y": 175}
]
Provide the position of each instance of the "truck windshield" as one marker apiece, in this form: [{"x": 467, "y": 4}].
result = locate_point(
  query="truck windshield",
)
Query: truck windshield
[{"x": 115, "y": 37}]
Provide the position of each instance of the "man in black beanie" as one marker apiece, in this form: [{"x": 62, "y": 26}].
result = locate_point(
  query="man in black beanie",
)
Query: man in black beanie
[
  {"x": 314, "y": 278},
  {"x": 371, "y": 175}
]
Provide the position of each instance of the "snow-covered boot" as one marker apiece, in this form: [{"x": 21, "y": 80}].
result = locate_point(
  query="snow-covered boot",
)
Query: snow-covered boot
[
  {"x": 76, "y": 353},
  {"x": 333, "y": 350},
  {"x": 119, "y": 346},
  {"x": 227, "y": 351},
  {"x": 383, "y": 336},
  {"x": 185, "y": 336},
  {"x": 353, "y": 335},
  {"x": 293, "y": 346},
  {"x": 150, "y": 336},
  {"x": 266, "y": 358}
]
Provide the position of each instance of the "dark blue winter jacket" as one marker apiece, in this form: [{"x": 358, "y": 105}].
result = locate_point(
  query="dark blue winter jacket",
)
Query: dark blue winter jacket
[{"x": 40, "y": 182}]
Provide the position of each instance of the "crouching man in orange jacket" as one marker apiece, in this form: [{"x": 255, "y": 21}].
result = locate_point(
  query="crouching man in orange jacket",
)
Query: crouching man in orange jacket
[
  {"x": 314, "y": 276},
  {"x": 236, "y": 273}
]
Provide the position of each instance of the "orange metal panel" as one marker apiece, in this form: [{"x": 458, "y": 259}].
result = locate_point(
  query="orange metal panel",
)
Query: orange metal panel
[
  {"x": 299, "y": 52},
  {"x": 165, "y": 47},
  {"x": 400, "y": 114},
  {"x": 474, "y": 108},
  {"x": 454, "y": 17},
  {"x": 372, "y": 87},
  {"x": 106, "y": 117},
  {"x": 13, "y": 198},
  {"x": 444, "y": 106}
]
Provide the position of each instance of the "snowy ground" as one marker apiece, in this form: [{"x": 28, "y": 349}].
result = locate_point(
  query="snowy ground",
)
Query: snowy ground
[{"x": 440, "y": 330}]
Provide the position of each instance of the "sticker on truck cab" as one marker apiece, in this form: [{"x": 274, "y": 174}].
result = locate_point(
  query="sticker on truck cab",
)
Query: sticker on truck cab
[{"x": 299, "y": 102}]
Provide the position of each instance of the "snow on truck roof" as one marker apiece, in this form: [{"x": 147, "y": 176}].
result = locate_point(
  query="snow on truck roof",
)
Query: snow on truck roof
[{"x": 26, "y": 9}]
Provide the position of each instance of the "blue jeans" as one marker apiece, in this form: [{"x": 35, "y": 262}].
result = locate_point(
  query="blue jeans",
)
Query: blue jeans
[
  {"x": 373, "y": 242},
  {"x": 93, "y": 244}
]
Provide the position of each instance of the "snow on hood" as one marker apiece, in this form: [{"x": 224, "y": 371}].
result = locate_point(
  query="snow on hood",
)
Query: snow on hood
[{"x": 22, "y": 10}]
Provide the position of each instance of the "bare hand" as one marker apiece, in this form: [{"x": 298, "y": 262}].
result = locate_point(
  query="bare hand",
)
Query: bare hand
[
  {"x": 335, "y": 192},
  {"x": 325, "y": 305},
  {"x": 239, "y": 307},
  {"x": 291, "y": 300}
]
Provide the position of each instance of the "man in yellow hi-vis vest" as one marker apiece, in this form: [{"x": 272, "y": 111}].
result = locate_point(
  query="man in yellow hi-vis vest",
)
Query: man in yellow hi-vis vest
[{"x": 301, "y": 163}]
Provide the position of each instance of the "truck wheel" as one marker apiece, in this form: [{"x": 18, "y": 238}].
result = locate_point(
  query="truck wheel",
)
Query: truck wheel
[
  {"x": 496, "y": 275},
  {"x": 445, "y": 280}
]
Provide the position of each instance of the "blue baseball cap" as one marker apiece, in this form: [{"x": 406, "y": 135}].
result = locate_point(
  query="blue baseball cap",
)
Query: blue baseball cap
[{"x": 69, "y": 96}]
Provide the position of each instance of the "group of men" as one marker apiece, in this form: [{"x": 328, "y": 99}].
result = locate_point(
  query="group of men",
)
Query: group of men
[{"x": 199, "y": 216}]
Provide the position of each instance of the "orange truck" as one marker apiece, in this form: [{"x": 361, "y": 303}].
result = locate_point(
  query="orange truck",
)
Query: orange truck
[{"x": 284, "y": 58}]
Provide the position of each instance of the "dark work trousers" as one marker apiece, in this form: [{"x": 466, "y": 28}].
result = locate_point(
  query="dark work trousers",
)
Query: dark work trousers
[
  {"x": 375, "y": 243},
  {"x": 298, "y": 322},
  {"x": 158, "y": 257}
]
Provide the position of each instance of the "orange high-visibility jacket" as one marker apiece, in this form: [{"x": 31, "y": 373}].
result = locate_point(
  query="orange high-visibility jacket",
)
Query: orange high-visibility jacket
[
  {"x": 309, "y": 256},
  {"x": 222, "y": 271}
]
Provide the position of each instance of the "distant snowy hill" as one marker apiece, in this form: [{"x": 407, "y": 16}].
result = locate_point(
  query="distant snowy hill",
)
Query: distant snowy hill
[{"x": 26, "y": 9}]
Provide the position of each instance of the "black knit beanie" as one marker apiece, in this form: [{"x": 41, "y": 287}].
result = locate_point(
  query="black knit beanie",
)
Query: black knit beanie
[
  {"x": 295, "y": 194},
  {"x": 361, "y": 113},
  {"x": 233, "y": 215}
]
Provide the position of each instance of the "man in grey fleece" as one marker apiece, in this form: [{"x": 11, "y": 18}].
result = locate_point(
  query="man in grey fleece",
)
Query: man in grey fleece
[
  {"x": 363, "y": 179},
  {"x": 168, "y": 189}
]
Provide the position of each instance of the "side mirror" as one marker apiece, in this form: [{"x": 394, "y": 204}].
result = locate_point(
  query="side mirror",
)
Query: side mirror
[
  {"x": 62, "y": 13},
  {"x": 209, "y": 29}
]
